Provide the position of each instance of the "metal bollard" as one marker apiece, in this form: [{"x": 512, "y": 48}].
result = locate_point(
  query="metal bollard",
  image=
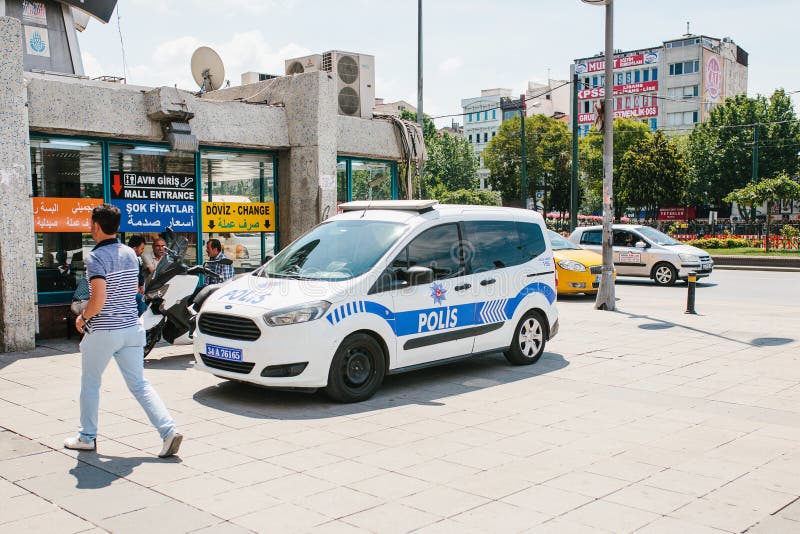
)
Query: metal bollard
[{"x": 692, "y": 279}]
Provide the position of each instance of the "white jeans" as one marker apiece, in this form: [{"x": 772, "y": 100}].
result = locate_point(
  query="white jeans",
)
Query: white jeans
[{"x": 126, "y": 346}]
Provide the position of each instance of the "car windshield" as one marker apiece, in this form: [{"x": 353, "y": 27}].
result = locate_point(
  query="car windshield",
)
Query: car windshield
[
  {"x": 657, "y": 237},
  {"x": 560, "y": 242},
  {"x": 337, "y": 250}
]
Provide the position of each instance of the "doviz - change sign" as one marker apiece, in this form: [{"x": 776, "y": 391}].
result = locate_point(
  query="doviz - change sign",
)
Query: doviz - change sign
[
  {"x": 153, "y": 186},
  {"x": 238, "y": 217}
]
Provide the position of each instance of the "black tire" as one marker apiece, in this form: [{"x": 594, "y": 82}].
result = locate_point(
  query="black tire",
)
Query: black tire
[
  {"x": 530, "y": 337},
  {"x": 665, "y": 274},
  {"x": 357, "y": 369},
  {"x": 153, "y": 336}
]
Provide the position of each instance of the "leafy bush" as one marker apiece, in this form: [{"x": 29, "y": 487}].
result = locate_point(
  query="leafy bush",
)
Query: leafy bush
[
  {"x": 713, "y": 242},
  {"x": 466, "y": 196},
  {"x": 790, "y": 232}
]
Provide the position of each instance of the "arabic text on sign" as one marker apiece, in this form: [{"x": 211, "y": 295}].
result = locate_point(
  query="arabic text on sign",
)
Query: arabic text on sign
[
  {"x": 238, "y": 216},
  {"x": 63, "y": 214}
]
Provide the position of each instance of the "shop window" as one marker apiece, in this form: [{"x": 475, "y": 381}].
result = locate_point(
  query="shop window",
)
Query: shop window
[
  {"x": 341, "y": 181},
  {"x": 236, "y": 179},
  {"x": 371, "y": 180},
  {"x": 154, "y": 188},
  {"x": 67, "y": 182}
]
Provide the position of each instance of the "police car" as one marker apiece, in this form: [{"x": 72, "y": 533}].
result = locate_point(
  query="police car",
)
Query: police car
[{"x": 385, "y": 287}]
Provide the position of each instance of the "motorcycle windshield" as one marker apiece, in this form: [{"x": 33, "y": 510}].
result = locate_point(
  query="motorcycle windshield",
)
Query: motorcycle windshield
[{"x": 170, "y": 264}]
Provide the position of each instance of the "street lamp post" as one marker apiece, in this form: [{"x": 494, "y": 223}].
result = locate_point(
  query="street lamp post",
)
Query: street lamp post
[
  {"x": 606, "y": 299},
  {"x": 524, "y": 152},
  {"x": 420, "y": 115}
]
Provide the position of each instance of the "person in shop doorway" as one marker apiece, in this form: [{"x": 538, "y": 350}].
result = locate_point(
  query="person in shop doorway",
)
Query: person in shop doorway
[
  {"x": 136, "y": 242},
  {"x": 222, "y": 273},
  {"x": 150, "y": 261},
  {"x": 111, "y": 328}
]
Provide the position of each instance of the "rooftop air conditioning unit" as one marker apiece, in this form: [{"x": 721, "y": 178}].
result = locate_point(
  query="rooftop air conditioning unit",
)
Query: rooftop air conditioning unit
[
  {"x": 300, "y": 65},
  {"x": 355, "y": 79}
]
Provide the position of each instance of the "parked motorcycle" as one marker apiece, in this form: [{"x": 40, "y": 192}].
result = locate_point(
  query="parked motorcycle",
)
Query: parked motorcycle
[{"x": 168, "y": 295}]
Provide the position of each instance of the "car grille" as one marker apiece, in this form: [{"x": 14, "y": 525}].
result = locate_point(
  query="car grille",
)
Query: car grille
[
  {"x": 597, "y": 269},
  {"x": 705, "y": 258},
  {"x": 229, "y": 326},
  {"x": 225, "y": 365}
]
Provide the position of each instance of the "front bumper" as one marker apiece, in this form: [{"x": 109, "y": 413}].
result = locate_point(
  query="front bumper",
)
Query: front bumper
[{"x": 276, "y": 347}]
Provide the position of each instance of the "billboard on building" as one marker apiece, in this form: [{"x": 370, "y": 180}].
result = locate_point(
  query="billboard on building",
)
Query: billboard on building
[
  {"x": 713, "y": 89},
  {"x": 622, "y": 62}
]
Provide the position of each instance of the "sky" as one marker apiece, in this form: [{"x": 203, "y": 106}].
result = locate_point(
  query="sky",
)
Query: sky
[{"x": 467, "y": 45}]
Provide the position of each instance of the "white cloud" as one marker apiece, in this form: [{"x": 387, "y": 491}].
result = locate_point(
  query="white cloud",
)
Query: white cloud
[
  {"x": 246, "y": 51},
  {"x": 451, "y": 64},
  {"x": 91, "y": 66}
]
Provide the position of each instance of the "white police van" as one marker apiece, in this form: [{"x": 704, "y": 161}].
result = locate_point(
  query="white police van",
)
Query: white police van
[{"x": 385, "y": 287}]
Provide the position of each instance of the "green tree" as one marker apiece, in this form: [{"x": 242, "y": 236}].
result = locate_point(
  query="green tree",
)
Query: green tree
[
  {"x": 720, "y": 150},
  {"x": 767, "y": 191},
  {"x": 466, "y": 196},
  {"x": 627, "y": 132},
  {"x": 652, "y": 173},
  {"x": 547, "y": 146},
  {"x": 452, "y": 163}
]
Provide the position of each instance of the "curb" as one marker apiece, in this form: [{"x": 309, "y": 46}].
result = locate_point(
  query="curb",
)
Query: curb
[{"x": 757, "y": 263}]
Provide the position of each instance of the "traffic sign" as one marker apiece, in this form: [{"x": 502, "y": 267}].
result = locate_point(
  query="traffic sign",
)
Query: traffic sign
[{"x": 238, "y": 217}]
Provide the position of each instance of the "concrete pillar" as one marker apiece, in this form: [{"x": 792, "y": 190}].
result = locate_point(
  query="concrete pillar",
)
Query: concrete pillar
[
  {"x": 307, "y": 171},
  {"x": 17, "y": 244}
]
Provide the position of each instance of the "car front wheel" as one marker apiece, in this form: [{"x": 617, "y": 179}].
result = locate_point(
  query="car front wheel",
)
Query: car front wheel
[
  {"x": 357, "y": 369},
  {"x": 665, "y": 274}
]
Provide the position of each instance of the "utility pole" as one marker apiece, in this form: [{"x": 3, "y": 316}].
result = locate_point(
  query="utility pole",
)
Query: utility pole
[
  {"x": 524, "y": 152},
  {"x": 420, "y": 116},
  {"x": 754, "y": 174},
  {"x": 606, "y": 298},
  {"x": 573, "y": 203}
]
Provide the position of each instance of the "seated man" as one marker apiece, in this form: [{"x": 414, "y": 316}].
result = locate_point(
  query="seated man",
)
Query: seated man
[{"x": 223, "y": 273}]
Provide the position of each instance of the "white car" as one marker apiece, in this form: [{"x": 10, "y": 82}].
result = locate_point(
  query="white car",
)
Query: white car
[
  {"x": 646, "y": 252},
  {"x": 385, "y": 287}
]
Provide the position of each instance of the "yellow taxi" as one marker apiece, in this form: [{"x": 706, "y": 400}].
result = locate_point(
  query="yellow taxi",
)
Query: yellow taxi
[{"x": 578, "y": 269}]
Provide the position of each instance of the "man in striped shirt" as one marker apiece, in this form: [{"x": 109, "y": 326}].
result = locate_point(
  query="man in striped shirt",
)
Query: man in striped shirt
[{"x": 111, "y": 326}]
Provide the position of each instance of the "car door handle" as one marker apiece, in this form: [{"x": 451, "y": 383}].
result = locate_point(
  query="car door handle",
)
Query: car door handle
[
  {"x": 463, "y": 287},
  {"x": 488, "y": 281}
]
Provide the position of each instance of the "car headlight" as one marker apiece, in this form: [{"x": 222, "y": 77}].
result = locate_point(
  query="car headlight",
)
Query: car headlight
[
  {"x": 297, "y": 314},
  {"x": 689, "y": 258},
  {"x": 157, "y": 293},
  {"x": 571, "y": 265}
]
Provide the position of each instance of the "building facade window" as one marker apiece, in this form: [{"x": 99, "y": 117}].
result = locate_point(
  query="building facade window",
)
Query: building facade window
[
  {"x": 67, "y": 182},
  {"x": 684, "y": 67},
  {"x": 682, "y": 118},
  {"x": 494, "y": 114},
  {"x": 654, "y": 74},
  {"x": 637, "y": 76},
  {"x": 470, "y": 117},
  {"x": 240, "y": 177},
  {"x": 646, "y": 75},
  {"x": 470, "y": 138},
  {"x": 687, "y": 91},
  {"x": 485, "y": 137},
  {"x": 368, "y": 179}
]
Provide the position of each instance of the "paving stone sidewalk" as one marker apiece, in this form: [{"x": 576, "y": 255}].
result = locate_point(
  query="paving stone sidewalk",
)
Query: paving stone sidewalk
[{"x": 642, "y": 420}]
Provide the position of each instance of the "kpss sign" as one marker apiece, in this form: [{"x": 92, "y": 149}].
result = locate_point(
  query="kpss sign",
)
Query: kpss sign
[{"x": 240, "y": 217}]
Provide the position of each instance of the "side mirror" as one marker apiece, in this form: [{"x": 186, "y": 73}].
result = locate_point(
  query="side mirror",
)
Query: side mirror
[
  {"x": 418, "y": 275},
  {"x": 641, "y": 244}
]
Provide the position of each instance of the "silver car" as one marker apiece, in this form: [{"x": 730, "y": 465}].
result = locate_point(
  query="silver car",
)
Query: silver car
[{"x": 646, "y": 252}]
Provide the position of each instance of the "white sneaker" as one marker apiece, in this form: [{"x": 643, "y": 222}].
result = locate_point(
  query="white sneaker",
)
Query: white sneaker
[
  {"x": 77, "y": 444},
  {"x": 171, "y": 445}
]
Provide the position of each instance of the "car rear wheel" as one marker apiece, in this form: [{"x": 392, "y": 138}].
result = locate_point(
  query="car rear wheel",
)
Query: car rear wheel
[
  {"x": 665, "y": 274},
  {"x": 529, "y": 339},
  {"x": 357, "y": 369}
]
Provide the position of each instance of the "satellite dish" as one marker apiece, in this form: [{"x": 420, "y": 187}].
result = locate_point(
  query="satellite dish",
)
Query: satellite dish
[{"x": 207, "y": 69}]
